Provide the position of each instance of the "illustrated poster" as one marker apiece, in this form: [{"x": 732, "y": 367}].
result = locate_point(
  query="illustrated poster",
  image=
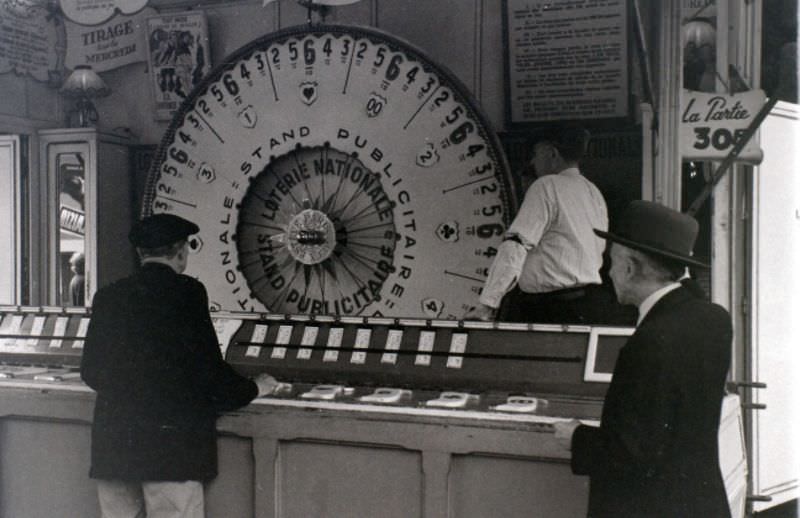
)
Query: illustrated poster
[{"x": 178, "y": 57}]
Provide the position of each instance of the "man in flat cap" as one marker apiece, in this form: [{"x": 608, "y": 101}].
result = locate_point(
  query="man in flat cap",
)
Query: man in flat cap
[
  {"x": 152, "y": 355},
  {"x": 548, "y": 266},
  {"x": 655, "y": 453}
]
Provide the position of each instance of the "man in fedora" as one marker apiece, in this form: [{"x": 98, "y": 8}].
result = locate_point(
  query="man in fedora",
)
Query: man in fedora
[
  {"x": 655, "y": 453},
  {"x": 152, "y": 355}
]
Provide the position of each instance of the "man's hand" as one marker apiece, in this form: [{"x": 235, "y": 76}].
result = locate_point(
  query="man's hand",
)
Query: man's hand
[
  {"x": 564, "y": 431},
  {"x": 266, "y": 384},
  {"x": 481, "y": 312}
]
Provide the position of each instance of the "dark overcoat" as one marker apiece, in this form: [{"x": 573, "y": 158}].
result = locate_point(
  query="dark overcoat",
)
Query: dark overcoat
[
  {"x": 153, "y": 357},
  {"x": 655, "y": 453}
]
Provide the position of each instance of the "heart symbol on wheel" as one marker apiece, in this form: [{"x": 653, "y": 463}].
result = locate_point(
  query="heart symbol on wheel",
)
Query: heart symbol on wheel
[{"x": 308, "y": 92}]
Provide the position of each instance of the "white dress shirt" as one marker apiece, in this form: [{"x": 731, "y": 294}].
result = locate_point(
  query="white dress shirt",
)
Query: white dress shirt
[{"x": 557, "y": 245}]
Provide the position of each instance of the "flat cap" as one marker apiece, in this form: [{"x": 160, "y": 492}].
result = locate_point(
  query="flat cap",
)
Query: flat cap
[{"x": 161, "y": 230}]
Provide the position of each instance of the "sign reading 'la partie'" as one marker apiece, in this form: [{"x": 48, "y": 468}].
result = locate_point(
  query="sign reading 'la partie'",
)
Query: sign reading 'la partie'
[{"x": 712, "y": 123}]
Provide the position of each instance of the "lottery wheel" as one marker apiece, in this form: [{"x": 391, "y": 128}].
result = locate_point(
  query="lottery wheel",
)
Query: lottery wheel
[{"x": 334, "y": 170}]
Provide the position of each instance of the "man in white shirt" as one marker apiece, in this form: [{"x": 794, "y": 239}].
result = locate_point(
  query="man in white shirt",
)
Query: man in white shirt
[{"x": 550, "y": 257}]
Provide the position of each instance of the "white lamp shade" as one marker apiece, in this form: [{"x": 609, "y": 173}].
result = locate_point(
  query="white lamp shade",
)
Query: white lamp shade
[{"x": 84, "y": 82}]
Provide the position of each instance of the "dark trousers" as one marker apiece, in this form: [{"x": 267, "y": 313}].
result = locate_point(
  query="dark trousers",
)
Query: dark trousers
[{"x": 588, "y": 305}]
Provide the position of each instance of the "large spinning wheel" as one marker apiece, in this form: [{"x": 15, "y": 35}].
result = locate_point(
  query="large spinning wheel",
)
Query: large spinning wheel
[{"x": 334, "y": 170}]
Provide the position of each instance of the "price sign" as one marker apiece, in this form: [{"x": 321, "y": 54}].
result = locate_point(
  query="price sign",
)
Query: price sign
[{"x": 712, "y": 123}]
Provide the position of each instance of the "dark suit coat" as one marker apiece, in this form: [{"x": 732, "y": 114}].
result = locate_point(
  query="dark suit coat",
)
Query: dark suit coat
[
  {"x": 153, "y": 357},
  {"x": 655, "y": 453}
]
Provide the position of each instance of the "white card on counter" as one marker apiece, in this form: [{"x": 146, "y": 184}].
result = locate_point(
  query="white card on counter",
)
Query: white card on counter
[
  {"x": 334, "y": 342},
  {"x": 284, "y": 335},
  {"x": 13, "y": 329},
  {"x": 393, "y": 341},
  {"x": 259, "y": 333},
  {"x": 81, "y": 334},
  {"x": 458, "y": 345},
  {"x": 36, "y": 330},
  {"x": 258, "y": 336},
  {"x": 362, "y": 342},
  {"x": 426, "y": 340},
  {"x": 308, "y": 340},
  {"x": 59, "y": 330}
]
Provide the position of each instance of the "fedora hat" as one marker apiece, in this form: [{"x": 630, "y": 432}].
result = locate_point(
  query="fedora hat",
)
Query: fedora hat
[{"x": 658, "y": 230}]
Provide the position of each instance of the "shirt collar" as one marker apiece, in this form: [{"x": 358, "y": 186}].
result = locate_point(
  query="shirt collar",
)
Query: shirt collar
[
  {"x": 648, "y": 303},
  {"x": 570, "y": 171}
]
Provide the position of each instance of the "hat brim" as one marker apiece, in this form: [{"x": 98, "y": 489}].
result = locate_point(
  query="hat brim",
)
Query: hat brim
[{"x": 683, "y": 259}]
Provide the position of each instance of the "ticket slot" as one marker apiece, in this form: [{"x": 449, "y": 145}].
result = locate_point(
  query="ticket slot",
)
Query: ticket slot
[
  {"x": 35, "y": 336},
  {"x": 370, "y": 353},
  {"x": 424, "y": 355}
]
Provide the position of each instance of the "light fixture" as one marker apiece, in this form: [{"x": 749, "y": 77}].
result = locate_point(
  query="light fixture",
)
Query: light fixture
[{"x": 83, "y": 85}]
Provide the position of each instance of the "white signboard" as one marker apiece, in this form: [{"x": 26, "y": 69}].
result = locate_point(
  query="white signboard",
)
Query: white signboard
[
  {"x": 115, "y": 43},
  {"x": 566, "y": 59},
  {"x": 711, "y": 124},
  {"x": 93, "y": 12}
]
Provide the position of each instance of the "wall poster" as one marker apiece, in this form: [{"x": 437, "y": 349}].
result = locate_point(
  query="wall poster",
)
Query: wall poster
[
  {"x": 31, "y": 41},
  {"x": 178, "y": 58},
  {"x": 566, "y": 59}
]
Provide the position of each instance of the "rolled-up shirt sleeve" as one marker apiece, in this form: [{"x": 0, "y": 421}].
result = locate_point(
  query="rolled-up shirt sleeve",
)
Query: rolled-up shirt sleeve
[
  {"x": 503, "y": 273},
  {"x": 530, "y": 223}
]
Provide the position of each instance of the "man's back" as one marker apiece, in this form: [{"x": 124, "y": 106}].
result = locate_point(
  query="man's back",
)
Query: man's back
[
  {"x": 558, "y": 218},
  {"x": 152, "y": 356}
]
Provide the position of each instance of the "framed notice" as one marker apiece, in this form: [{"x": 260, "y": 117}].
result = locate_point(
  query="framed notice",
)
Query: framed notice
[
  {"x": 31, "y": 42},
  {"x": 566, "y": 60},
  {"x": 177, "y": 47}
]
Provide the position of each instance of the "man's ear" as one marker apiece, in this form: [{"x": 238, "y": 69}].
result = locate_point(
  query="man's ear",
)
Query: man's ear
[{"x": 555, "y": 155}]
